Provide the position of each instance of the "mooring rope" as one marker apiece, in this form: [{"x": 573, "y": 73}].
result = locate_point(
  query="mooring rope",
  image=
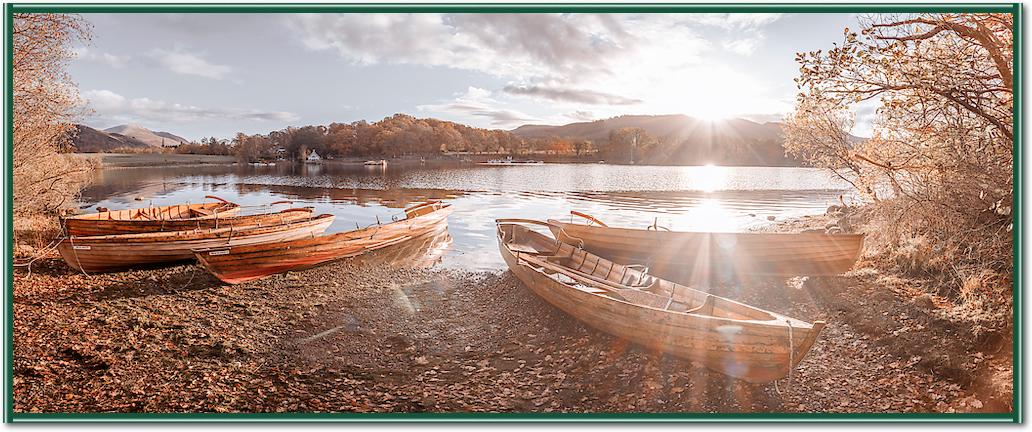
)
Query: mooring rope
[
  {"x": 43, "y": 252},
  {"x": 791, "y": 354},
  {"x": 75, "y": 253},
  {"x": 791, "y": 360}
]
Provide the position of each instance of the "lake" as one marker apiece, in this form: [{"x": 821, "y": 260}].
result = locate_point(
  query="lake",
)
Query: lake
[{"x": 704, "y": 198}]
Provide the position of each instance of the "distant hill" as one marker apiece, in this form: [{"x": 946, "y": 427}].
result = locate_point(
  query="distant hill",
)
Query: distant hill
[
  {"x": 684, "y": 139},
  {"x": 146, "y": 136},
  {"x": 90, "y": 140}
]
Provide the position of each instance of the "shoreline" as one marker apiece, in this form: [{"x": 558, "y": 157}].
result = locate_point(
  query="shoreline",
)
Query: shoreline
[
  {"x": 153, "y": 160},
  {"x": 158, "y": 160},
  {"x": 367, "y": 335}
]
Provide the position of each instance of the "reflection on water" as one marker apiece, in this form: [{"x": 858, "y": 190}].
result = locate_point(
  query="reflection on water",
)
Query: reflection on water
[{"x": 679, "y": 198}]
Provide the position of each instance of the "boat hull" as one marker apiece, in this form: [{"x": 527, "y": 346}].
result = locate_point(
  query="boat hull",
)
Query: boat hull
[
  {"x": 122, "y": 221},
  {"x": 757, "y": 351},
  {"x": 705, "y": 257},
  {"x": 111, "y": 253},
  {"x": 84, "y": 228},
  {"x": 235, "y": 265}
]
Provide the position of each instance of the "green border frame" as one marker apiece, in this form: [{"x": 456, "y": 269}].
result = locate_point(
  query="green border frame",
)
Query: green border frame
[{"x": 1013, "y": 8}]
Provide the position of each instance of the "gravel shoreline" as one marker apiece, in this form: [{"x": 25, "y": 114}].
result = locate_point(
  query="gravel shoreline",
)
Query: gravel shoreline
[{"x": 371, "y": 336}]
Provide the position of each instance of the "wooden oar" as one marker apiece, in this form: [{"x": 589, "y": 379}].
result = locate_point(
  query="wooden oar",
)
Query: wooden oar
[
  {"x": 588, "y": 217},
  {"x": 217, "y": 198}
]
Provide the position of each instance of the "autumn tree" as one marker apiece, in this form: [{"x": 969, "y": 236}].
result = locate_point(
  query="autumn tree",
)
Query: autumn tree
[
  {"x": 46, "y": 107},
  {"x": 252, "y": 148},
  {"x": 630, "y": 144},
  {"x": 817, "y": 133},
  {"x": 943, "y": 134}
]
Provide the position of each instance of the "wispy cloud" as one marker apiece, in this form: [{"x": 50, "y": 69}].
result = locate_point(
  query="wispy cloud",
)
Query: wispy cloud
[
  {"x": 590, "y": 97},
  {"x": 114, "y": 107},
  {"x": 115, "y": 61},
  {"x": 744, "y": 46},
  {"x": 602, "y": 63},
  {"x": 477, "y": 102},
  {"x": 498, "y": 44},
  {"x": 581, "y": 116},
  {"x": 182, "y": 62},
  {"x": 734, "y": 21}
]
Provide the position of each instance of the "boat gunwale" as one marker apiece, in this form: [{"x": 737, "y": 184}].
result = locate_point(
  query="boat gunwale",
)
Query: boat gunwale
[
  {"x": 843, "y": 236},
  {"x": 778, "y": 321},
  {"x": 97, "y": 216},
  {"x": 200, "y": 234},
  {"x": 330, "y": 238}
]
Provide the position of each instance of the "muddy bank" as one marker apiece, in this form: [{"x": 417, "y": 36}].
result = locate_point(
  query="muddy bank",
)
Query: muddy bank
[{"x": 371, "y": 337}]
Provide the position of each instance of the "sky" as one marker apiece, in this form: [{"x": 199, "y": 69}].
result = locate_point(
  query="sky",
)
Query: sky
[{"x": 200, "y": 75}]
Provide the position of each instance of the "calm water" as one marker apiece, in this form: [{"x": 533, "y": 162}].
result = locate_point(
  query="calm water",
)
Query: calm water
[{"x": 682, "y": 198}]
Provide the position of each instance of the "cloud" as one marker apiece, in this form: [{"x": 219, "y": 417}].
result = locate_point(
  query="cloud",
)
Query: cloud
[
  {"x": 114, "y": 107},
  {"x": 865, "y": 117},
  {"x": 744, "y": 46},
  {"x": 581, "y": 116},
  {"x": 497, "y": 44},
  {"x": 477, "y": 102},
  {"x": 185, "y": 63},
  {"x": 734, "y": 21},
  {"x": 115, "y": 61},
  {"x": 603, "y": 63},
  {"x": 590, "y": 97}
]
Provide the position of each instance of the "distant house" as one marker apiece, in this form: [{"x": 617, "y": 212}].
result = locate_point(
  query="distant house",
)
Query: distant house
[{"x": 313, "y": 157}]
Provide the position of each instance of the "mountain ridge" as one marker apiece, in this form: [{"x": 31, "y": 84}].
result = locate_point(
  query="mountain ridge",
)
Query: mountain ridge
[
  {"x": 146, "y": 136},
  {"x": 683, "y": 139}
]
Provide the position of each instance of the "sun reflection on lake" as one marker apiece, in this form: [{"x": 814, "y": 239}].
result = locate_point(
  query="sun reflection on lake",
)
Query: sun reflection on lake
[
  {"x": 708, "y": 215},
  {"x": 707, "y": 178}
]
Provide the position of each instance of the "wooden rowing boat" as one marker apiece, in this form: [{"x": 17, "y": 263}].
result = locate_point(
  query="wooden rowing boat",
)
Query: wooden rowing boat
[
  {"x": 707, "y": 256},
  {"x": 123, "y": 221},
  {"x": 236, "y": 264},
  {"x": 735, "y": 339},
  {"x": 116, "y": 226},
  {"x": 419, "y": 252},
  {"x": 116, "y": 252}
]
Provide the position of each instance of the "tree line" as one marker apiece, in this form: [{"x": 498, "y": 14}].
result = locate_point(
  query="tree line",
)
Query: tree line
[
  {"x": 395, "y": 136},
  {"x": 403, "y": 135}
]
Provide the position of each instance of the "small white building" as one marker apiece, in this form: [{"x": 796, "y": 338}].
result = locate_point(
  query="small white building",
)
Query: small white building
[{"x": 313, "y": 157}]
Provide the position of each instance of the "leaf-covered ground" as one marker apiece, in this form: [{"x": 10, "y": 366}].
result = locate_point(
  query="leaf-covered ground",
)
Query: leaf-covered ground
[{"x": 369, "y": 337}]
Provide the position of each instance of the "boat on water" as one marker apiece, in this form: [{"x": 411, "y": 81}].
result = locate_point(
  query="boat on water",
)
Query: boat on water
[
  {"x": 237, "y": 264},
  {"x": 117, "y": 252},
  {"x": 88, "y": 223},
  {"x": 714, "y": 254},
  {"x": 381, "y": 162},
  {"x": 726, "y": 336},
  {"x": 229, "y": 219},
  {"x": 510, "y": 161}
]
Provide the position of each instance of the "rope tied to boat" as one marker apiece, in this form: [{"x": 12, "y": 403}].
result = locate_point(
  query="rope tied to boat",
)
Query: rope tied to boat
[
  {"x": 791, "y": 354},
  {"x": 45, "y": 251},
  {"x": 75, "y": 253},
  {"x": 792, "y": 359}
]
